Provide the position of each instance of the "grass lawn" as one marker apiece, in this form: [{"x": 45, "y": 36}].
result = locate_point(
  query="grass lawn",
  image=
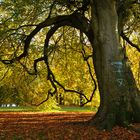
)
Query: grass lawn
[
  {"x": 77, "y": 109},
  {"x": 16, "y": 109},
  {"x": 61, "y": 109}
]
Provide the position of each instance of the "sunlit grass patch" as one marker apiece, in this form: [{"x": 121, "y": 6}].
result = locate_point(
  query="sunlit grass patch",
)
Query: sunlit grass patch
[
  {"x": 76, "y": 109},
  {"x": 17, "y": 109},
  {"x": 59, "y": 109}
]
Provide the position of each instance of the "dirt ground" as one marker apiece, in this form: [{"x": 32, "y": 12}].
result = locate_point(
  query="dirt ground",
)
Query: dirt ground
[{"x": 57, "y": 126}]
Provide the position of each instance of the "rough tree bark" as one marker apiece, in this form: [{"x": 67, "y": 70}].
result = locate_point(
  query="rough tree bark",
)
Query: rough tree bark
[{"x": 120, "y": 101}]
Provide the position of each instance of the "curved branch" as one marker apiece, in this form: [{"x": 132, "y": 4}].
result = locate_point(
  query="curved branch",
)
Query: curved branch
[
  {"x": 128, "y": 41},
  {"x": 90, "y": 72},
  {"x": 51, "y": 76},
  {"x": 75, "y": 20}
]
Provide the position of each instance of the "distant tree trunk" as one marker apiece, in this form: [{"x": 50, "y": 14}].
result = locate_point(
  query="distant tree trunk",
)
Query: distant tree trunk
[
  {"x": 120, "y": 101},
  {"x": 80, "y": 99},
  {"x": 61, "y": 99}
]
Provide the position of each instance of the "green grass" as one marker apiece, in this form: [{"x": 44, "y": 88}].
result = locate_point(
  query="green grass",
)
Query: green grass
[
  {"x": 60, "y": 109},
  {"x": 17, "y": 109},
  {"x": 76, "y": 109}
]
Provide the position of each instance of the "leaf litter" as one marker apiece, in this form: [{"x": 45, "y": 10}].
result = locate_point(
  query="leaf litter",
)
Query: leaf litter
[{"x": 58, "y": 126}]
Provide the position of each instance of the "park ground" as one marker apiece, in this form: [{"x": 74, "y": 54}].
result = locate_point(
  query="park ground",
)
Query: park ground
[{"x": 57, "y": 126}]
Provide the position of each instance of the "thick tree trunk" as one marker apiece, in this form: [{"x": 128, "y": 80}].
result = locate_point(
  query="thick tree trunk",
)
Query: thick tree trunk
[{"x": 120, "y": 103}]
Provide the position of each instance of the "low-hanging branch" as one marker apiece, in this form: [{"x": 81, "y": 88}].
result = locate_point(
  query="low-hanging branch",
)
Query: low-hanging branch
[
  {"x": 51, "y": 76},
  {"x": 89, "y": 69}
]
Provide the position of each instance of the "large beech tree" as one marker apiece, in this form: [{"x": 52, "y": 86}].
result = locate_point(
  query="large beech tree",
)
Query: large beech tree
[{"x": 104, "y": 23}]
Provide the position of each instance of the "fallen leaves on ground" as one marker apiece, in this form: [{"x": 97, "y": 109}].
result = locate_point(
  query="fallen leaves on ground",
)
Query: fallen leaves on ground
[{"x": 57, "y": 126}]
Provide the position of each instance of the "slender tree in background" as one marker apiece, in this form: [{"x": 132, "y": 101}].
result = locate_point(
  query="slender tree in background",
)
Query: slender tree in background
[{"x": 105, "y": 23}]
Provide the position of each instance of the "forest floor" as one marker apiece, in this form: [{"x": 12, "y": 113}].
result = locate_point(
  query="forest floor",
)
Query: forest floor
[{"x": 57, "y": 126}]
